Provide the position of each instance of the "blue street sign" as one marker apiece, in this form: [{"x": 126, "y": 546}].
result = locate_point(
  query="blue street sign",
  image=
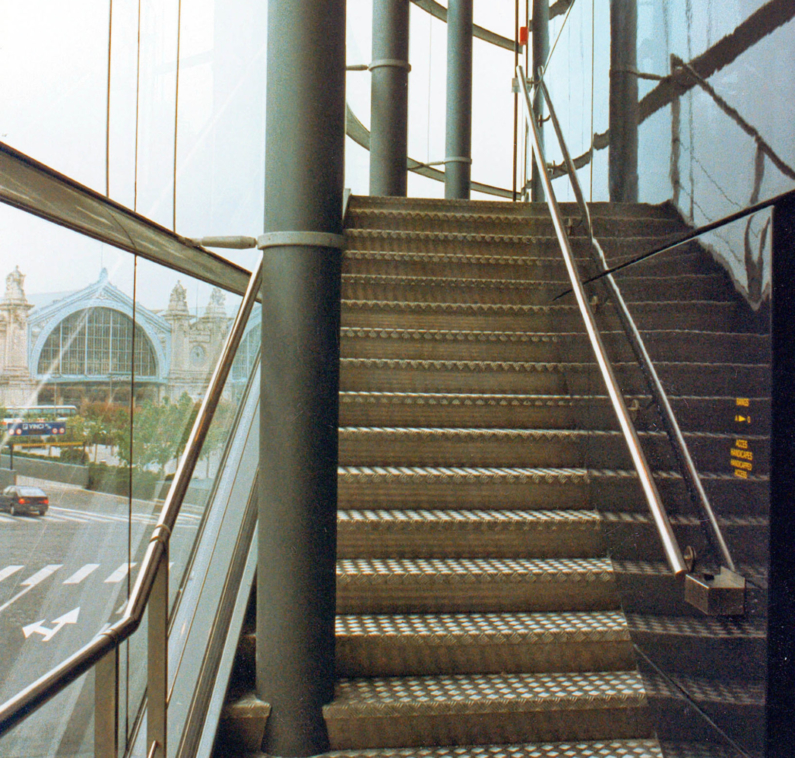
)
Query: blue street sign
[{"x": 38, "y": 428}]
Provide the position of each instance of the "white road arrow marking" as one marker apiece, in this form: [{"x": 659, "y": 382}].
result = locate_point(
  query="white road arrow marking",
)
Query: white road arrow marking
[
  {"x": 58, "y": 624},
  {"x": 32, "y": 581},
  {"x": 9, "y": 571},
  {"x": 82, "y": 573}
]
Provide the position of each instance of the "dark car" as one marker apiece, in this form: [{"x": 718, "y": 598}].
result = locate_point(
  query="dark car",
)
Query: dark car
[{"x": 21, "y": 499}]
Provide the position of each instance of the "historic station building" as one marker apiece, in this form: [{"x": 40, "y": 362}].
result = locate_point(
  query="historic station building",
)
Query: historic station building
[{"x": 70, "y": 347}]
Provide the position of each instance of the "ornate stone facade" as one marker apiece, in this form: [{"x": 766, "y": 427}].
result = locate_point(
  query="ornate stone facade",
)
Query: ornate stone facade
[{"x": 79, "y": 346}]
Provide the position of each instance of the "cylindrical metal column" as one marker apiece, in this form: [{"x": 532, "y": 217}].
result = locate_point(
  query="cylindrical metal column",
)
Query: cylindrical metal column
[
  {"x": 389, "y": 99},
  {"x": 305, "y": 135},
  {"x": 540, "y": 55},
  {"x": 623, "y": 157},
  {"x": 458, "y": 161}
]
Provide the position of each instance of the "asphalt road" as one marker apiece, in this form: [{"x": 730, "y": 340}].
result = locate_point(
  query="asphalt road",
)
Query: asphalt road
[{"x": 63, "y": 577}]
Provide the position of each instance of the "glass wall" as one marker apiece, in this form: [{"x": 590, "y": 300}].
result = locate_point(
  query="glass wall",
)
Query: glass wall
[{"x": 75, "y": 312}]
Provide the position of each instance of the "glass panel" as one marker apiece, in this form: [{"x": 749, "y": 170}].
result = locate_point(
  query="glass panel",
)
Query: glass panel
[
  {"x": 63, "y": 727},
  {"x": 711, "y": 350},
  {"x": 64, "y": 572},
  {"x": 77, "y": 321},
  {"x": 55, "y": 85}
]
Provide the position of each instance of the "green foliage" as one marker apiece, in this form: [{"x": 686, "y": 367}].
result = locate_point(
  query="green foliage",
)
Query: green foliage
[
  {"x": 116, "y": 480},
  {"x": 159, "y": 433},
  {"x": 73, "y": 455}
]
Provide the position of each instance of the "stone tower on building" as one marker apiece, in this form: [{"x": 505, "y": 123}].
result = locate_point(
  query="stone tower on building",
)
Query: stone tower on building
[{"x": 17, "y": 384}]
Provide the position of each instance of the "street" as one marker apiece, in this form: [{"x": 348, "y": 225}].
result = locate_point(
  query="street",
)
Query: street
[{"x": 63, "y": 577}]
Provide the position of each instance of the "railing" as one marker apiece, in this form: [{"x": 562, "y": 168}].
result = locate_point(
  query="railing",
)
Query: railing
[
  {"x": 150, "y": 591},
  {"x": 672, "y": 427},
  {"x": 673, "y": 553}
]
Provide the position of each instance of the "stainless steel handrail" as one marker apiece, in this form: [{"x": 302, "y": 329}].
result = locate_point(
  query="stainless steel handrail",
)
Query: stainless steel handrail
[
  {"x": 35, "y": 188},
  {"x": 672, "y": 427},
  {"x": 155, "y": 563},
  {"x": 673, "y": 553}
]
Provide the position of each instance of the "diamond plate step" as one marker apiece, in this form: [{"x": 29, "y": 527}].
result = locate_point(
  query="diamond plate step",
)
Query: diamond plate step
[
  {"x": 399, "y": 375},
  {"x": 633, "y": 536},
  {"x": 486, "y": 709},
  {"x": 495, "y": 488},
  {"x": 727, "y": 647},
  {"x": 426, "y": 344},
  {"x": 525, "y": 265},
  {"x": 482, "y": 643},
  {"x": 450, "y": 585},
  {"x": 461, "y": 289},
  {"x": 546, "y": 246},
  {"x": 583, "y": 749},
  {"x": 649, "y": 589},
  {"x": 677, "y": 749},
  {"x": 392, "y": 487},
  {"x": 522, "y": 411},
  {"x": 477, "y": 207},
  {"x": 700, "y": 315},
  {"x": 529, "y": 448},
  {"x": 468, "y": 534},
  {"x": 242, "y": 722},
  {"x": 735, "y": 706},
  {"x": 499, "y": 221}
]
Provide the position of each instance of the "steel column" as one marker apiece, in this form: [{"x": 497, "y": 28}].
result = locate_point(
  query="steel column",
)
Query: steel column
[
  {"x": 623, "y": 154},
  {"x": 458, "y": 161},
  {"x": 540, "y": 55},
  {"x": 389, "y": 99},
  {"x": 305, "y": 133},
  {"x": 780, "y": 698}
]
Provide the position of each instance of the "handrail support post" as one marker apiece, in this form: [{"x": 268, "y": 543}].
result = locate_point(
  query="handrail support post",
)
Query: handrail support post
[
  {"x": 106, "y": 706},
  {"x": 157, "y": 680}
]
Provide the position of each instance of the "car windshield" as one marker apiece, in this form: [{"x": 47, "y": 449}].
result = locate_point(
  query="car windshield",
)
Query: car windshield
[{"x": 31, "y": 492}]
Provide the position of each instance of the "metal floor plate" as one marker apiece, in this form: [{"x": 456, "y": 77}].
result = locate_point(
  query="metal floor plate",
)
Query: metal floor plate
[{"x": 613, "y": 749}]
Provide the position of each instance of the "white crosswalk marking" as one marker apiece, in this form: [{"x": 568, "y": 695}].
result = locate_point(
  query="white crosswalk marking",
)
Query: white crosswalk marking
[
  {"x": 7, "y": 519},
  {"x": 82, "y": 573},
  {"x": 119, "y": 573},
  {"x": 41, "y": 575},
  {"x": 31, "y": 582},
  {"x": 9, "y": 571}
]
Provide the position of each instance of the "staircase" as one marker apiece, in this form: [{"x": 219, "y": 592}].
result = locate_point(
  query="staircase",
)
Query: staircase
[{"x": 495, "y": 553}]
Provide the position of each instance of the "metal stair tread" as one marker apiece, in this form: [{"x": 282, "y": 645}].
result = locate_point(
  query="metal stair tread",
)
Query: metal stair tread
[
  {"x": 526, "y": 366},
  {"x": 529, "y": 474},
  {"x": 625, "y": 517},
  {"x": 387, "y": 213},
  {"x": 466, "y": 519},
  {"x": 705, "y": 690},
  {"x": 461, "y": 335},
  {"x": 354, "y": 304},
  {"x": 466, "y": 570},
  {"x": 471, "y": 628},
  {"x": 703, "y": 750},
  {"x": 467, "y": 399},
  {"x": 598, "y": 209},
  {"x": 506, "y": 398},
  {"x": 476, "y": 693},
  {"x": 518, "y": 434},
  {"x": 697, "y": 626},
  {"x": 493, "y": 259},
  {"x": 755, "y": 572},
  {"x": 641, "y": 242},
  {"x": 584, "y": 749},
  {"x": 349, "y": 278}
]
